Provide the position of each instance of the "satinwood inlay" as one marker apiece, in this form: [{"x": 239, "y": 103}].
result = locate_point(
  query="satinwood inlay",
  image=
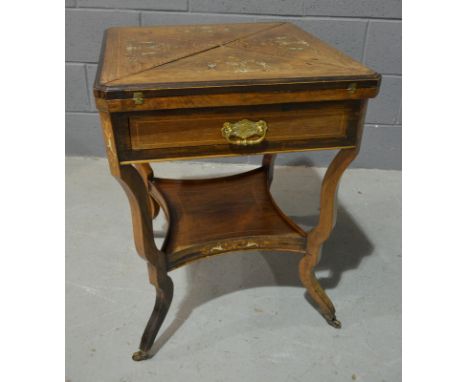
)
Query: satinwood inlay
[{"x": 204, "y": 91}]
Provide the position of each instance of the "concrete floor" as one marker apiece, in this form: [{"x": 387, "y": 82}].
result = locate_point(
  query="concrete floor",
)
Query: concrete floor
[{"x": 237, "y": 317}]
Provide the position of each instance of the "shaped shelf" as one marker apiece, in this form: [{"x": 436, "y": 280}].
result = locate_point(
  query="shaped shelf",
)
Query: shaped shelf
[{"x": 212, "y": 216}]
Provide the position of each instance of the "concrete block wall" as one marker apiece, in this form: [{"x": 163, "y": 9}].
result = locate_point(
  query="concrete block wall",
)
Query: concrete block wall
[{"x": 368, "y": 30}]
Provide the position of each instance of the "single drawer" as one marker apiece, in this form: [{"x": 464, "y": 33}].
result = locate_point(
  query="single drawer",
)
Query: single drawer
[
  {"x": 239, "y": 130},
  {"x": 205, "y": 127}
]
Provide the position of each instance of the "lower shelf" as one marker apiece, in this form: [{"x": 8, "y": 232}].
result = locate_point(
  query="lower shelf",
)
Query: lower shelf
[{"x": 212, "y": 216}]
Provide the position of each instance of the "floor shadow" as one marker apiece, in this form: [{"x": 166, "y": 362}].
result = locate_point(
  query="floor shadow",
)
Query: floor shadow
[
  {"x": 221, "y": 275},
  {"x": 344, "y": 249}
]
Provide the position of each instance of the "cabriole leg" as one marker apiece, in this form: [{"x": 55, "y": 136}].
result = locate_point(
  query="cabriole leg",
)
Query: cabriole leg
[
  {"x": 268, "y": 162},
  {"x": 140, "y": 203},
  {"x": 315, "y": 290},
  {"x": 146, "y": 173},
  {"x": 164, "y": 292},
  {"x": 322, "y": 231}
]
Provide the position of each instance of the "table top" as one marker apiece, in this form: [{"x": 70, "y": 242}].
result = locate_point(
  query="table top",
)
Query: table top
[{"x": 220, "y": 55}]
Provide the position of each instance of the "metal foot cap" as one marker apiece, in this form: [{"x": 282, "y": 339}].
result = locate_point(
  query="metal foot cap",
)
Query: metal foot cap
[
  {"x": 140, "y": 355},
  {"x": 334, "y": 322}
]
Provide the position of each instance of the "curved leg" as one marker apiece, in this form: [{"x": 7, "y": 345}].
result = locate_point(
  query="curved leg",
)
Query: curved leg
[
  {"x": 316, "y": 291},
  {"x": 322, "y": 231},
  {"x": 164, "y": 293},
  {"x": 268, "y": 161},
  {"x": 146, "y": 173},
  {"x": 136, "y": 190}
]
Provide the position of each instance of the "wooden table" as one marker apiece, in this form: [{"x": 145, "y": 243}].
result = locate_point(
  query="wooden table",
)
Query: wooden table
[{"x": 204, "y": 91}]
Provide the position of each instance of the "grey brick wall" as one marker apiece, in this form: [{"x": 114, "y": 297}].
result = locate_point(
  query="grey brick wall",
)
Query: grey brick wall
[{"x": 368, "y": 30}]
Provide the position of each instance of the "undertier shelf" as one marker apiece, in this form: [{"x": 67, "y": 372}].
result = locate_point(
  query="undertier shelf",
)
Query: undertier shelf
[{"x": 213, "y": 216}]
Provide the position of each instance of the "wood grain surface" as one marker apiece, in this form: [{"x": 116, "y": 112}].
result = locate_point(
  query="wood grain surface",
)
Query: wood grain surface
[
  {"x": 154, "y": 61},
  {"x": 165, "y": 93}
]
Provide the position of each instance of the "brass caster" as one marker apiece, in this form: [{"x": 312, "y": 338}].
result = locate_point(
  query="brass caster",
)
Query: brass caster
[
  {"x": 334, "y": 322},
  {"x": 140, "y": 355}
]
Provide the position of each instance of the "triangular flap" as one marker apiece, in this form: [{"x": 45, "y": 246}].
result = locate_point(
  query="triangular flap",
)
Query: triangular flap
[
  {"x": 133, "y": 50},
  {"x": 216, "y": 33},
  {"x": 289, "y": 41},
  {"x": 231, "y": 64}
]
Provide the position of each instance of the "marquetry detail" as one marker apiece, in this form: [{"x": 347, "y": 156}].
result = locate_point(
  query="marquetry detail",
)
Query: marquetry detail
[{"x": 205, "y": 91}]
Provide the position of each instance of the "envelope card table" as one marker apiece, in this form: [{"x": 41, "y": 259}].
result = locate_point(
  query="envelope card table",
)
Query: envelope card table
[{"x": 205, "y": 91}]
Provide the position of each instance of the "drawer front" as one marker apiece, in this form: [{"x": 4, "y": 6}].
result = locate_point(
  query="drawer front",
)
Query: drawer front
[
  {"x": 151, "y": 132},
  {"x": 198, "y": 132}
]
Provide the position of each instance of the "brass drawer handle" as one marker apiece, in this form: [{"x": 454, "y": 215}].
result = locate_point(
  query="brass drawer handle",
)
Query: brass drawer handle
[{"x": 244, "y": 132}]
